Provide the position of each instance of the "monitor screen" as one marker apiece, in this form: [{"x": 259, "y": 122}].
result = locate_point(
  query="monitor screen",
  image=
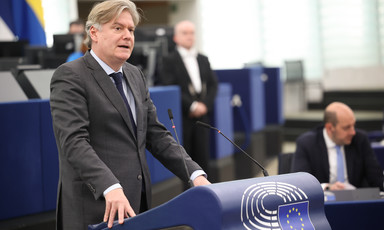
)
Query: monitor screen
[
  {"x": 64, "y": 43},
  {"x": 156, "y": 33},
  {"x": 12, "y": 48}
]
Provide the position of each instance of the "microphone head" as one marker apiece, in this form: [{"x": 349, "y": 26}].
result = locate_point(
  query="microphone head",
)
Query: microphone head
[
  {"x": 203, "y": 124},
  {"x": 170, "y": 114}
]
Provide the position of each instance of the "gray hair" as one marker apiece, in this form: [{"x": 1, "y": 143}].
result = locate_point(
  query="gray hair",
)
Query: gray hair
[{"x": 106, "y": 11}]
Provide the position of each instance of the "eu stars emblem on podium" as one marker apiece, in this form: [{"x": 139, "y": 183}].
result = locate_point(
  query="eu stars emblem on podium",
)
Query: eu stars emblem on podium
[
  {"x": 295, "y": 216},
  {"x": 275, "y": 205}
]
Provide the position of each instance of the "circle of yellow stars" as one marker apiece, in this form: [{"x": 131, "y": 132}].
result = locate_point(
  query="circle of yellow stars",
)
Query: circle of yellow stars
[{"x": 295, "y": 211}]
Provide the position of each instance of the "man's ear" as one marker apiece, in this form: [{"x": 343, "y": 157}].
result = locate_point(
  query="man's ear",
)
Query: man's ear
[
  {"x": 175, "y": 39},
  {"x": 93, "y": 33},
  {"x": 328, "y": 126}
]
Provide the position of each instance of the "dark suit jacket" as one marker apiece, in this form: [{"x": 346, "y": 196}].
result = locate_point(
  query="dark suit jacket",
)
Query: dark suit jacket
[
  {"x": 174, "y": 72},
  {"x": 96, "y": 142},
  {"x": 362, "y": 166}
]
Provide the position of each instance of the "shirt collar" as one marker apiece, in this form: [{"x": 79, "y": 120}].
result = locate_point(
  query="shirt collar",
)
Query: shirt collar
[
  {"x": 328, "y": 141},
  {"x": 186, "y": 53},
  {"x": 103, "y": 65}
]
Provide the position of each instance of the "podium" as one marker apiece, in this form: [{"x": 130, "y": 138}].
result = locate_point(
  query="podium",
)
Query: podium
[{"x": 289, "y": 201}]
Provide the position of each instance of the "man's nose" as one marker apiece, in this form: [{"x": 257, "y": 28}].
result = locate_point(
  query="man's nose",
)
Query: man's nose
[
  {"x": 128, "y": 34},
  {"x": 353, "y": 131}
]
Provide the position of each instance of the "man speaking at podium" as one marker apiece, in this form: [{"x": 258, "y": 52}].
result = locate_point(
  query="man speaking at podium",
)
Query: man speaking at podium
[
  {"x": 103, "y": 120},
  {"x": 337, "y": 154}
]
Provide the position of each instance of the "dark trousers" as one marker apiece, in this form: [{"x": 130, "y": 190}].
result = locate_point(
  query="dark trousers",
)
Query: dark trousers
[
  {"x": 196, "y": 141},
  {"x": 143, "y": 203}
]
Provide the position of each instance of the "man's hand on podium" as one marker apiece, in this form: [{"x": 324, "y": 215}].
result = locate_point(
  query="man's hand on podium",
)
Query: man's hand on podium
[
  {"x": 337, "y": 186},
  {"x": 200, "y": 180},
  {"x": 115, "y": 201}
]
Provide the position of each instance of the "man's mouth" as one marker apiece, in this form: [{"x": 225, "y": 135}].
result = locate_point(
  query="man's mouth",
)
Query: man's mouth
[{"x": 124, "y": 46}]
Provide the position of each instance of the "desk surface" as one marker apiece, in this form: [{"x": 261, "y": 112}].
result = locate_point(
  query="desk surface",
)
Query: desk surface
[
  {"x": 358, "y": 194},
  {"x": 355, "y": 209},
  {"x": 355, "y": 214}
]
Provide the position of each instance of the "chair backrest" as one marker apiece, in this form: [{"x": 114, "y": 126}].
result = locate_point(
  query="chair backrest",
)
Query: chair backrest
[
  {"x": 294, "y": 70},
  {"x": 285, "y": 162}
]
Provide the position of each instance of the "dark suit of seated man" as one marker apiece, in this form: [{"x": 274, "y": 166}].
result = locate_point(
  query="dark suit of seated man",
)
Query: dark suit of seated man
[{"x": 317, "y": 153}]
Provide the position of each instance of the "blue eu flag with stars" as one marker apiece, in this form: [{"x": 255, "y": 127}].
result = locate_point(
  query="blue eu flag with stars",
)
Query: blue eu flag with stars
[{"x": 295, "y": 216}]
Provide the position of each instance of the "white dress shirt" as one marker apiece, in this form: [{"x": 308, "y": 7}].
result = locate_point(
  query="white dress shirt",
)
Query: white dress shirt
[
  {"x": 190, "y": 61},
  {"x": 189, "y": 58}
]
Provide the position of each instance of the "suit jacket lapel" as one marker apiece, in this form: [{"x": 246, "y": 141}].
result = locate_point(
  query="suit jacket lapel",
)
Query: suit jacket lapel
[
  {"x": 349, "y": 154},
  {"x": 201, "y": 65},
  {"x": 134, "y": 89},
  {"x": 109, "y": 89},
  {"x": 181, "y": 65},
  {"x": 185, "y": 75},
  {"x": 323, "y": 151}
]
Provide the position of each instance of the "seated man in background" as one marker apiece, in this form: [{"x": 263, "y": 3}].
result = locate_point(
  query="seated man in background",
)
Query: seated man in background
[
  {"x": 77, "y": 27},
  {"x": 337, "y": 154}
]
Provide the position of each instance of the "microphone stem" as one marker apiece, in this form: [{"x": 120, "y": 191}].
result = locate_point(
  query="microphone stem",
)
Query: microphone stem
[
  {"x": 262, "y": 168},
  {"x": 254, "y": 161},
  {"x": 185, "y": 164}
]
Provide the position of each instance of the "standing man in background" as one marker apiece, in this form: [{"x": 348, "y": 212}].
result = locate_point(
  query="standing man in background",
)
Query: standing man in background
[
  {"x": 103, "y": 120},
  {"x": 191, "y": 71},
  {"x": 337, "y": 154}
]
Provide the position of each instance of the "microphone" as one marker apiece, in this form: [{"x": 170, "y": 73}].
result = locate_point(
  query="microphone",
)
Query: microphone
[
  {"x": 257, "y": 163},
  {"x": 190, "y": 183}
]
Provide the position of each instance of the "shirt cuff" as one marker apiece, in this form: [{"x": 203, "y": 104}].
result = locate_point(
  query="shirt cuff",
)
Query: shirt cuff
[
  {"x": 197, "y": 173},
  {"x": 325, "y": 186},
  {"x": 115, "y": 186},
  {"x": 193, "y": 106}
]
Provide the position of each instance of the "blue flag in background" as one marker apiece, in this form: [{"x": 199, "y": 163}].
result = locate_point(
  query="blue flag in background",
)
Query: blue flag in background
[{"x": 25, "y": 19}]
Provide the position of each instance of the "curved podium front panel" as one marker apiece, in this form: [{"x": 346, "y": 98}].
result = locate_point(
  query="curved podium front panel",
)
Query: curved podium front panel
[{"x": 289, "y": 201}]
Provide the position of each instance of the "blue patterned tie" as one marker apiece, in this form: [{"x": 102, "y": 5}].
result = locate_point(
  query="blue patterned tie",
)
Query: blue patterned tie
[
  {"x": 340, "y": 164},
  {"x": 117, "y": 77}
]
